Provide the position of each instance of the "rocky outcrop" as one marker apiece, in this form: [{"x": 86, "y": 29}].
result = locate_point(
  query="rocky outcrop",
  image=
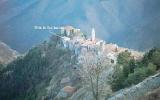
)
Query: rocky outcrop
[
  {"x": 66, "y": 92},
  {"x": 82, "y": 94},
  {"x": 139, "y": 90},
  {"x": 65, "y": 81}
]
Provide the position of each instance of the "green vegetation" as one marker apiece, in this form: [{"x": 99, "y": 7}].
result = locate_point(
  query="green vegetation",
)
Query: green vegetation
[
  {"x": 129, "y": 72},
  {"x": 27, "y": 77},
  {"x": 152, "y": 56}
]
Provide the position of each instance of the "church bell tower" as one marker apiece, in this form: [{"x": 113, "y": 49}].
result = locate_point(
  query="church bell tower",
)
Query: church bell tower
[{"x": 93, "y": 34}]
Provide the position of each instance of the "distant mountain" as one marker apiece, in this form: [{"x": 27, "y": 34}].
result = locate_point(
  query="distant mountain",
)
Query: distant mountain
[
  {"x": 7, "y": 54},
  {"x": 128, "y": 23}
]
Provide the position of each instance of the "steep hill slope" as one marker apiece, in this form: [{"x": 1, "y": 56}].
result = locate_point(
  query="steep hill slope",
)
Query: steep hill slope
[
  {"x": 37, "y": 75},
  {"x": 7, "y": 54}
]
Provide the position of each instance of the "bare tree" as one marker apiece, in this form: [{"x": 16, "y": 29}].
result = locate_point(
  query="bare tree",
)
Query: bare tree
[{"x": 93, "y": 73}]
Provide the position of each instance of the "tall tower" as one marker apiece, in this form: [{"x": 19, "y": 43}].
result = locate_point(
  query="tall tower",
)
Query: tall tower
[{"x": 93, "y": 34}]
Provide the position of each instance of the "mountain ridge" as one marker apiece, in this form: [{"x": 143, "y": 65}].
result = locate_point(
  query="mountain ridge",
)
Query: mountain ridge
[
  {"x": 113, "y": 20},
  {"x": 7, "y": 54}
]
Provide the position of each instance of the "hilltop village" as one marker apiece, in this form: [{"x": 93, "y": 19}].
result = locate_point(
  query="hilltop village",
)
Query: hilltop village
[
  {"x": 75, "y": 66},
  {"x": 76, "y": 41}
]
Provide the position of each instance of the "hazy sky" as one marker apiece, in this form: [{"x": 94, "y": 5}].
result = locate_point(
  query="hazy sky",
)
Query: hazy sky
[{"x": 129, "y": 23}]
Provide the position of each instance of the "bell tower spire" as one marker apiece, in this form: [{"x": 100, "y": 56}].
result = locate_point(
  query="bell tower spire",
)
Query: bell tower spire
[{"x": 93, "y": 34}]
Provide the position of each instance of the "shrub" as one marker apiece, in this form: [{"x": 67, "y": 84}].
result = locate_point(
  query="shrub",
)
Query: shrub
[
  {"x": 124, "y": 57},
  {"x": 118, "y": 78},
  {"x": 151, "y": 69},
  {"x": 136, "y": 77},
  {"x": 153, "y": 56}
]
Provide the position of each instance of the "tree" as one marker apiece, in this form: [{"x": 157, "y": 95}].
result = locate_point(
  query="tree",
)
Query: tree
[
  {"x": 152, "y": 56},
  {"x": 140, "y": 74},
  {"x": 92, "y": 73},
  {"x": 124, "y": 58},
  {"x": 155, "y": 57},
  {"x": 136, "y": 77},
  {"x": 129, "y": 67},
  {"x": 151, "y": 69},
  {"x": 118, "y": 78}
]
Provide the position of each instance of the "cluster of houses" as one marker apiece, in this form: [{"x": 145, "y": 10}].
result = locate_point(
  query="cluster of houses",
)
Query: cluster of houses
[
  {"x": 74, "y": 40},
  {"x": 77, "y": 42}
]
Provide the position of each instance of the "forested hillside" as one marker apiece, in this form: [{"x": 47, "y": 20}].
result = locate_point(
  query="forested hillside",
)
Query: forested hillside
[{"x": 28, "y": 77}]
